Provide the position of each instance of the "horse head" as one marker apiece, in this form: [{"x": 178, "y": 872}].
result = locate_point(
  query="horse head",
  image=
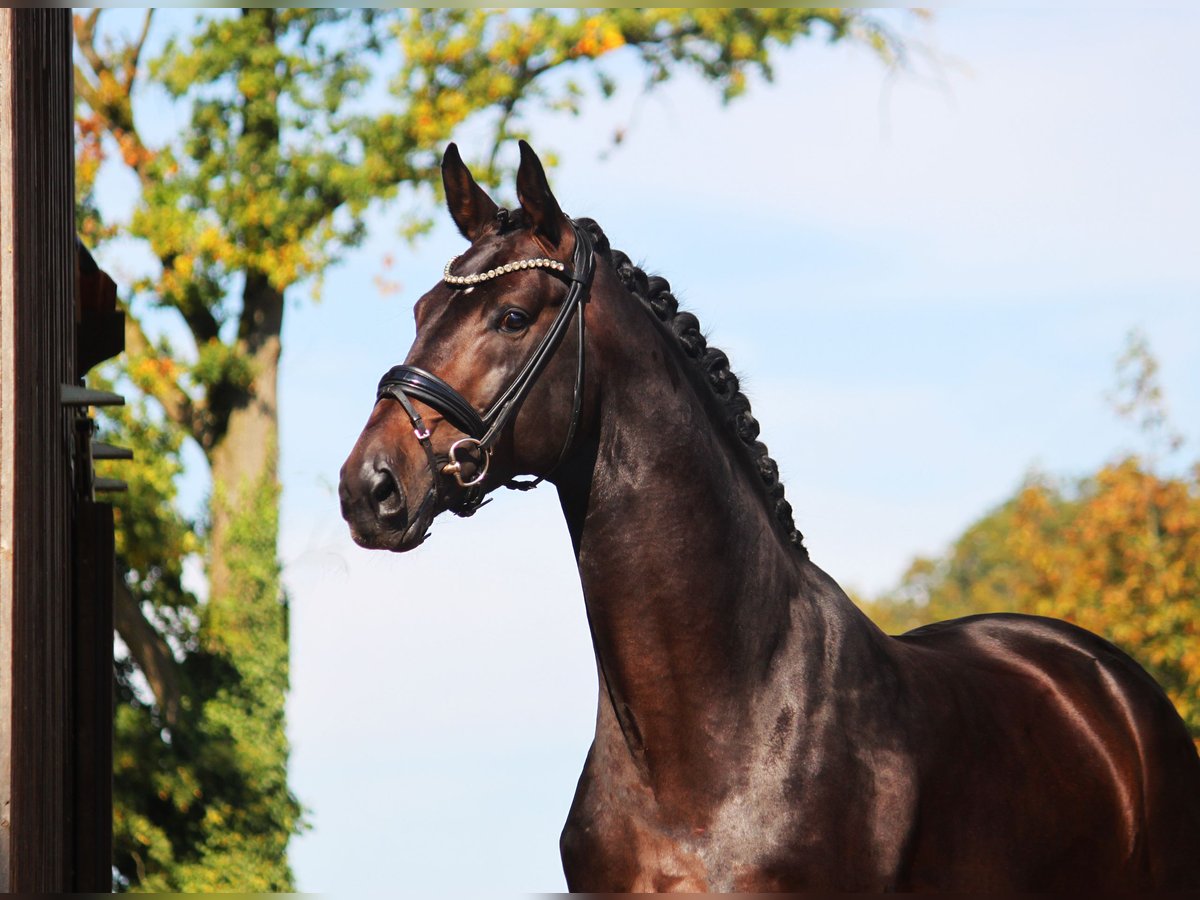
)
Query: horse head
[{"x": 490, "y": 388}]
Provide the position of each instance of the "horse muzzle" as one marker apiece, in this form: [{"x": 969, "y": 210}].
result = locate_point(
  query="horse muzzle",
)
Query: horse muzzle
[{"x": 375, "y": 506}]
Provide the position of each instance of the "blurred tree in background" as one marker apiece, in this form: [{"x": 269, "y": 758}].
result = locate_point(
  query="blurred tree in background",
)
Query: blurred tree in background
[
  {"x": 283, "y": 150},
  {"x": 1117, "y": 552}
]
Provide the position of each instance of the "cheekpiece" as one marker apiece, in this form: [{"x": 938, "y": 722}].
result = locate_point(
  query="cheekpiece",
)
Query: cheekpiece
[{"x": 479, "y": 277}]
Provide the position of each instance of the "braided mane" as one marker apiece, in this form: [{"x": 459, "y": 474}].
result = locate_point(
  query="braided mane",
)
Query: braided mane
[{"x": 655, "y": 292}]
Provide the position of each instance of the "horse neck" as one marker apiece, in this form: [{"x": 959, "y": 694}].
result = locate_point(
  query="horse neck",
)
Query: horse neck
[{"x": 687, "y": 583}]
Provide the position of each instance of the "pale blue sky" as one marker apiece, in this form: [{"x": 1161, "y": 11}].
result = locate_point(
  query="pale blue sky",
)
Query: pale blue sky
[{"x": 924, "y": 283}]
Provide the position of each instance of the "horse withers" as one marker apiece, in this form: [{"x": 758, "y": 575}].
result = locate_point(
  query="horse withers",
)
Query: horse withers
[{"x": 755, "y": 731}]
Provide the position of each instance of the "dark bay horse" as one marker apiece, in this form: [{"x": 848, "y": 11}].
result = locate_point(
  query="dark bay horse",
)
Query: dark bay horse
[{"x": 755, "y": 730}]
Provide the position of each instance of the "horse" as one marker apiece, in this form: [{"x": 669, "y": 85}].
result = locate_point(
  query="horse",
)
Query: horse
[{"x": 755, "y": 731}]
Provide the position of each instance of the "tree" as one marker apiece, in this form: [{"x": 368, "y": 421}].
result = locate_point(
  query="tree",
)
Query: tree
[
  {"x": 264, "y": 189},
  {"x": 1117, "y": 552}
]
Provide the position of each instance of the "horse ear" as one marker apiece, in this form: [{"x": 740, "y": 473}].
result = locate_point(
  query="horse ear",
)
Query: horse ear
[
  {"x": 470, "y": 206},
  {"x": 533, "y": 191}
]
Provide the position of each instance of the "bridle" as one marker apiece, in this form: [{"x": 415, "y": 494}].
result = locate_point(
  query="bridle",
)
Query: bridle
[{"x": 407, "y": 383}]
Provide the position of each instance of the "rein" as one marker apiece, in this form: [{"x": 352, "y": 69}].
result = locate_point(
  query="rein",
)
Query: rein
[{"x": 405, "y": 383}]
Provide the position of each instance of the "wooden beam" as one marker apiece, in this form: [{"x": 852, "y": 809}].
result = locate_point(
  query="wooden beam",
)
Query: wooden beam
[
  {"x": 37, "y": 491},
  {"x": 8, "y": 392}
]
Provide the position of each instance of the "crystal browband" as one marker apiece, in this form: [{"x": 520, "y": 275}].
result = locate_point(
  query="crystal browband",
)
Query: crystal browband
[{"x": 541, "y": 263}]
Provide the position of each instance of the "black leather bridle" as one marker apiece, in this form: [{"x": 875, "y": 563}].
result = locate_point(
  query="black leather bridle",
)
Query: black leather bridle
[{"x": 407, "y": 383}]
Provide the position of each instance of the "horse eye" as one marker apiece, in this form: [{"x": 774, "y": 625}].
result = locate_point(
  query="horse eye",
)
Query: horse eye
[{"x": 513, "y": 321}]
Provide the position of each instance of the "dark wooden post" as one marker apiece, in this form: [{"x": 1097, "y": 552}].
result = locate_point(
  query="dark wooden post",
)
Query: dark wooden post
[
  {"x": 56, "y": 563},
  {"x": 92, "y": 705}
]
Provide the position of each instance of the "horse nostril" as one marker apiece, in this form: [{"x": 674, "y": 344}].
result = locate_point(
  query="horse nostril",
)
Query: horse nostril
[
  {"x": 387, "y": 496},
  {"x": 384, "y": 487}
]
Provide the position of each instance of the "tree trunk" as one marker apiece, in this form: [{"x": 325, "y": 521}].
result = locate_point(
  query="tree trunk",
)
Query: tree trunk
[
  {"x": 244, "y": 622},
  {"x": 245, "y": 457}
]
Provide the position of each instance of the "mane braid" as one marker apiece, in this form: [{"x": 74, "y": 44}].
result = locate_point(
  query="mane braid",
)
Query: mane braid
[{"x": 655, "y": 292}]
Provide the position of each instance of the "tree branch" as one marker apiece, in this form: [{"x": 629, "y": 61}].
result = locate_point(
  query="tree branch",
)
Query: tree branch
[
  {"x": 85, "y": 36},
  {"x": 149, "y": 650},
  {"x": 198, "y": 317},
  {"x": 117, "y": 110},
  {"x": 134, "y": 51},
  {"x": 84, "y": 88},
  {"x": 178, "y": 406},
  {"x": 202, "y": 322}
]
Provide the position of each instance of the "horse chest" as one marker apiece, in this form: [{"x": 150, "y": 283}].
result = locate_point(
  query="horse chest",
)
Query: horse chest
[{"x": 761, "y": 837}]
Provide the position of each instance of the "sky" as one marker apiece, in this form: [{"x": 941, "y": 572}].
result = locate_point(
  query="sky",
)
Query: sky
[{"x": 924, "y": 282}]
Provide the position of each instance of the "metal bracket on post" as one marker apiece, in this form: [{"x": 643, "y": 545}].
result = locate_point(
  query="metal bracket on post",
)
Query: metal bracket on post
[
  {"x": 101, "y": 450},
  {"x": 74, "y": 395},
  {"x": 85, "y": 450}
]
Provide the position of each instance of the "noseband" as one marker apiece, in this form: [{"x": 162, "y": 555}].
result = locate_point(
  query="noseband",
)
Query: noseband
[{"x": 407, "y": 383}]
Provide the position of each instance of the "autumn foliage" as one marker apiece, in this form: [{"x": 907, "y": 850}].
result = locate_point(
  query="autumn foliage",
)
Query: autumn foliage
[{"x": 1117, "y": 553}]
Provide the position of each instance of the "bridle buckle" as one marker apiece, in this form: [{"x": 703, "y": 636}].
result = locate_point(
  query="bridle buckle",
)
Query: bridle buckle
[{"x": 455, "y": 465}]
